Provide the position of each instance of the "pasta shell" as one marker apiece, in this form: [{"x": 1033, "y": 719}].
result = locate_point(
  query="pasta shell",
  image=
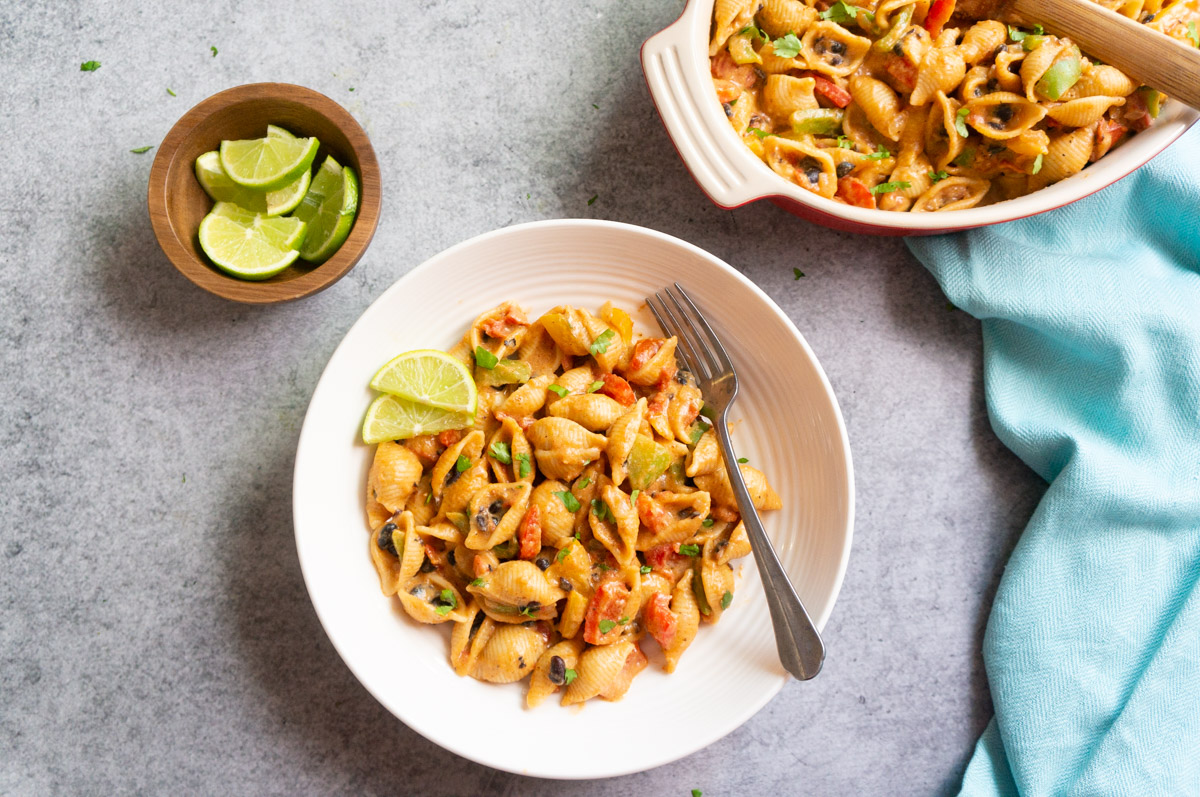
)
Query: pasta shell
[
  {"x": 420, "y": 503},
  {"x": 393, "y": 534},
  {"x": 831, "y": 49},
  {"x": 510, "y": 442},
  {"x": 976, "y": 83},
  {"x": 564, "y": 447},
  {"x": 566, "y": 328},
  {"x": 683, "y": 411},
  {"x": 620, "y": 533},
  {"x": 781, "y": 17},
  {"x": 651, "y": 358},
  {"x": 518, "y": 583},
  {"x": 573, "y": 613},
  {"x": 499, "y": 330},
  {"x": 773, "y": 64},
  {"x": 705, "y": 457},
  {"x": 593, "y": 411},
  {"x": 1030, "y": 143},
  {"x": 509, "y": 655},
  {"x": 1009, "y": 63},
  {"x": 717, "y": 581},
  {"x": 1036, "y": 64},
  {"x": 671, "y": 517},
  {"x": 635, "y": 662},
  {"x": 783, "y": 95},
  {"x": 394, "y": 474},
  {"x": 981, "y": 40},
  {"x": 1067, "y": 155},
  {"x": 621, "y": 437},
  {"x": 1003, "y": 115},
  {"x": 527, "y": 399},
  {"x": 761, "y": 493},
  {"x": 954, "y": 193},
  {"x": 460, "y": 486},
  {"x": 549, "y": 675},
  {"x": 574, "y": 381},
  {"x": 442, "y": 530},
  {"x": 598, "y": 668},
  {"x": 558, "y": 522},
  {"x": 942, "y": 141},
  {"x": 604, "y": 343},
  {"x": 687, "y": 614},
  {"x": 422, "y": 596},
  {"x": 729, "y": 16},
  {"x": 803, "y": 164},
  {"x": 539, "y": 350},
  {"x": 879, "y": 103},
  {"x": 377, "y": 513},
  {"x": 1101, "y": 80},
  {"x": 468, "y": 639},
  {"x": 942, "y": 70},
  {"x": 734, "y": 544},
  {"x": 470, "y": 446},
  {"x": 495, "y": 513},
  {"x": 1084, "y": 111}
]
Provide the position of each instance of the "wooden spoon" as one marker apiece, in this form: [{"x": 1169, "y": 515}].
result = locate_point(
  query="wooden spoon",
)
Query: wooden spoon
[{"x": 1147, "y": 56}]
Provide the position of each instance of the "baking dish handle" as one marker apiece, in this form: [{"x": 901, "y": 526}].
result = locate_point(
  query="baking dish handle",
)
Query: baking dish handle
[{"x": 677, "y": 74}]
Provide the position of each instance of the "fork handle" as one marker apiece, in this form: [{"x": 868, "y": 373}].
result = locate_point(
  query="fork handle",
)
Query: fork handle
[{"x": 800, "y": 648}]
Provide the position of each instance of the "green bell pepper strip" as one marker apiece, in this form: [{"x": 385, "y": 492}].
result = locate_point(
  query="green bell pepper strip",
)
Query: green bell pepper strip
[
  {"x": 818, "y": 121},
  {"x": 900, "y": 23},
  {"x": 1061, "y": 76}
]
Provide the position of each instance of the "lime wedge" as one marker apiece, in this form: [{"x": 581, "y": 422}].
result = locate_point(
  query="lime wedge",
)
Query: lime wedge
[
  {"x": 329, "y": 209},
  {"x": 267, "y": 164},
  {"x": 428, "y": 377},
  {"x": 247, "y": 244},
  {"x": 393, "y": 418},
  {"x": 220, "y": 188},
  {"x": 274, "y": 131}
]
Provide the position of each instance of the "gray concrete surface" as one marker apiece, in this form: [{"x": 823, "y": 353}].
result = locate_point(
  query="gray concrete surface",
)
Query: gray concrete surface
[{"x": 155, "y": 634}]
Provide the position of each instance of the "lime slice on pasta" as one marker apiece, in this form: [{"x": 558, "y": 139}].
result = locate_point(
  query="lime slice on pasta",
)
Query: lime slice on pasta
[
  {"x": 394, "y": 418},
  {"x": 428, "y": 377}
]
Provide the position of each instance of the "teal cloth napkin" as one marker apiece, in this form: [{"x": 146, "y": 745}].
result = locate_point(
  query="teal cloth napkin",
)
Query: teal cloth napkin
[{"x": 1091, "y": 357}]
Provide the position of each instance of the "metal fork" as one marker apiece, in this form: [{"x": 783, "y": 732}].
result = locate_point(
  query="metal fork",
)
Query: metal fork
[{"x": 800, "y": 648}]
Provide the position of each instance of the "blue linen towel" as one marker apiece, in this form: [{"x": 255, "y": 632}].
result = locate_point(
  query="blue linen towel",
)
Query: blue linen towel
[{"x": 1091, "y": 342}]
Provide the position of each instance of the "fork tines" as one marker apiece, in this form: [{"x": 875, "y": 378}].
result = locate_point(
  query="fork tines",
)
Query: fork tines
[{"x": 699, "y": 345}]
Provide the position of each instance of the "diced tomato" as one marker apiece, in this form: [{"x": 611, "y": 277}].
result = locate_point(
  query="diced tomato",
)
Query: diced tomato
[
  {"x": 652, "y": 514},
  {"x": 939, "y": 14},
  {"x": 660, "y": 621},
  {"x": 1136, "y": 114},
  {"x": 657, "y": 408},
  {"x": 854, "y": 192},
  {"x": 607, "y": 603},
  {"x": 725, "y": 514},
  {"x": 503, "y": 326},
  {"x": 1108, "y": 133},
  {"x": 644, "y": 351},
  {"x": 449, "y": 437},
  {"x": 480, "y": 566},
  {"x": 666, "y": 376},
  {"x": 524, "y": 421},
  {"x": 426, "y": 447},
  {"x": 617, "y": 388},
  {"x": 827, "y": 88},
  {"x": 529, "y": 533},
  {"x": 903, "y": 74},
  {"x": 663, "y": 557},
  {"x": 1053, "y": 124},
  {"x": 723, "y": 67}
]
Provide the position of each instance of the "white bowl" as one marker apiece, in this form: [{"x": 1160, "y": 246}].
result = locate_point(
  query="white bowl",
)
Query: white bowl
[
  {"x": 790, "y": 427},
  {"x": 675, "y": 61}
]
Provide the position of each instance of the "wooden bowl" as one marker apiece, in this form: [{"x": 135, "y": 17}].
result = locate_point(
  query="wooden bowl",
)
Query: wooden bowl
[{"x": 177, "y": 203}]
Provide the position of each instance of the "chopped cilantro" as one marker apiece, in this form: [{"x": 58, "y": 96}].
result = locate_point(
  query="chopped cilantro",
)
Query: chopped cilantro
[
  {"x": 600, "y": 344},
  {"x": 529, "y": 608},
  {"x": 1037, "y": 165},
  {"x": 645, "y": 569},
  {"x": 89, "y": 66},
  {"x": 499, "y": 452},
  {"x": 879, "y": 154},
  {"x": 428, "y": 497},
  {"x": 797, "y": 273},
  {"x": 485, "y": 359},
  {"x": 214, "y": 50},
  {"x": 462, "y": 463},
  {"x": 960, "y": 121},
  {"x": 476, "y": 583},
  {"x": 884, "y": 188},
  {"x": 1038, "y": 30},
  {"x": 726, "y": 599},
  {"x": 448, "y": 602},
  {"x": 937, "y": 177},
  {"x": 840, "y": 12},
  {"x": 562, "y": 554},
  {"x": 759, "y": 133},
  {"x": 570, "y": 675},
  {"x": 523, "y": 466},
  {"x": 966, "y": 157},
  {"x": 171, "y": 91},
  {"x": 140, "y": 150},
  {"x": 742, "y": 460},
  {"x": 844, "y": 143},
  {"x": 569, "y": 501},
  {"x": 623, "y": 621},
  {"x": 787, "y": 47},
  {"x": 601, "y": 510},
  {"x": 560, "y": 390},
  {"x": 594, "y": 386},
  {"x": 707, "y": 522},
  {"x": 594, "y": 105},
  {"x": 754, "y": 31},
  {"x": 1016, "y": 34},
  {"x": 584, "y": 482},
  {"x": 691, "y": 549},
  {"x": 607, "y": 625},
  {"x": 592, "y": 201}
]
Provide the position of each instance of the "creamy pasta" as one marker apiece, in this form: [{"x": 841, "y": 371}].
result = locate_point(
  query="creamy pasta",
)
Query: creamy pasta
[
  {"x": 585, "y": 510},
  {"x": 882, "y": 104}
]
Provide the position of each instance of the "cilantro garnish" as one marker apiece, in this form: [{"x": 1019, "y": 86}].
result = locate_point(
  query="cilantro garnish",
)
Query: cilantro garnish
[
  {"x": 485, "y": 359},
  {"x": 691, "y": 549},
  {"x": 428, "y": 497},
  {"x": 594, "y": 105},
  {"x": 499, "y": 452},
  {"x": 476, "y": 583},
  {"x": 523, "y": 466},
  {"x": 697, "y": 793},
  {"x": 607, "y": 625},
  {"x": 645, "y": 569},
  {"x": 840, "y": 12},
  {"x": 569, "y": 501},
  {"x": 592, "y": 201},
  {"x": 448, "y": 602},
  {"x": 569, "y": 676},
  {"x": 759, "y": 133},
  {"x": 584, "y": 482},
  {"x": 707, "y": 522},
  {"x": 787, "y": 47},
  {"x": 600, "y": 344},
  {"x": 561, "y": 555},
  {"x": 726, "y": 599},
  {"x": 797, "y": 273},
  {"x": 937, "y": 177},
  {"x": 89, "y": 66},
  {"x": 844, "y": 143},
  {"x": 1016, "y": 34},
  {"x": 462, "y": 463},
  {"x": 214, "y": 50},
  {"x": 594, "y": 386},
  {"x": 561, "y": 391},
  {"x": 742, "y": 460},
  {"x": 884, "y": 188},
  {"x": 1037, "y": 165},
  {"x": 879, "y": 154},
  {"x": 960, "y": 122},
  {"x": 966, "y": 157},
  {"x": 601, "y": 510},
  {"x": 140, "y": 150},
  {"x": 171, "y": 91}
]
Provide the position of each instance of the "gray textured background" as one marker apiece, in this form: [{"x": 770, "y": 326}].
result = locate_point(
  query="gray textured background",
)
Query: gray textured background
[{"x": 155, "y": 634}]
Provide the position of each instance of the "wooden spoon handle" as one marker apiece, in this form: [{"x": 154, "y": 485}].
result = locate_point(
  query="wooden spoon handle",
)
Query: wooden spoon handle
[{"x": 1146, "y": 55}]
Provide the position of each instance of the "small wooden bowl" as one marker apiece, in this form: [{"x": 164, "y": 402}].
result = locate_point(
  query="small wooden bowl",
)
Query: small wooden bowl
[{"x": 177, "y": 203}]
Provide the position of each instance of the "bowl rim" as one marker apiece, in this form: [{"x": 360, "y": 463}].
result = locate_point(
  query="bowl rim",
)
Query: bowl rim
[
  {"x": 308, "y": 568},
  {"x": 202, "y": 274},
  {"x": 687, "y": 35}
]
